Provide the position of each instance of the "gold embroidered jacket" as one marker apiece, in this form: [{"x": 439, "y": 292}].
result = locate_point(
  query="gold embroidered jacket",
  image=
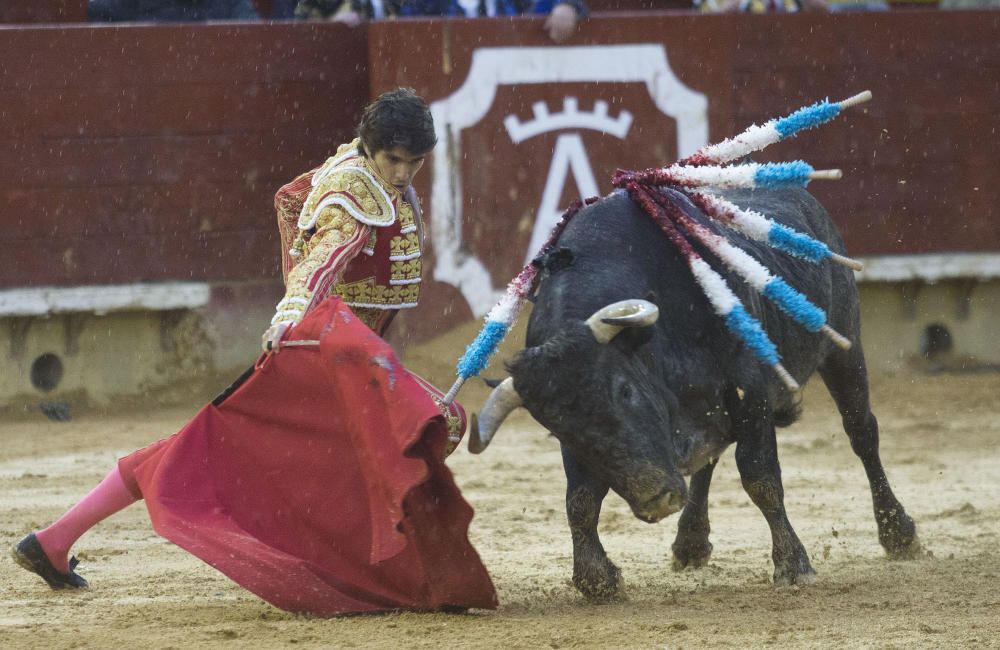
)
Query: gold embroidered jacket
[{"x": 346, "y": 231}]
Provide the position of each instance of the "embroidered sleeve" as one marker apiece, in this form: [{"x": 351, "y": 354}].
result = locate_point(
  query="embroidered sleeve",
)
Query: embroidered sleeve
[
  {"x": 288, "y": 204},
  {"x": 337, "y": 240}
]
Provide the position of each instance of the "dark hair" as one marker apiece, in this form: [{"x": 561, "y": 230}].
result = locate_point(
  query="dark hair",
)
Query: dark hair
[{"x": 398, "y": 118}]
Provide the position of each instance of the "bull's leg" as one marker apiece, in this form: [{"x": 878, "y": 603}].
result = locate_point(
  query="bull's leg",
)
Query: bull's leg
[
  {"x": 691, "y": 546},
  {"x": 757, "y": 460},
  {"x": 847, "y": 380},
  {"x": 594, "y": 575}
]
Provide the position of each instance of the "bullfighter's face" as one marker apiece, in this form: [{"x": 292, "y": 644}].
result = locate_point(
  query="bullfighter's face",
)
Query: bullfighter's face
[{"x": 398, "y": 166}]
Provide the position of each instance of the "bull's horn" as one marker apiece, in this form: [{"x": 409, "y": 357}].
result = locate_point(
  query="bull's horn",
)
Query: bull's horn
[
  {"x": 606, "y": 323},
  {"x": 499, "y": 404}
]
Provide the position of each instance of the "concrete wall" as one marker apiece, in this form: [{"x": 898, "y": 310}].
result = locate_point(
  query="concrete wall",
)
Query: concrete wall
[
  {"x": 165, "y": 356},
  {"x": 75, "y": 360},
  {"x": 901, "y": 322}
]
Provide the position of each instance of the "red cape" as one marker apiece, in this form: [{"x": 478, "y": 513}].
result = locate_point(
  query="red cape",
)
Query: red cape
[{"x": 319, "y": 482}]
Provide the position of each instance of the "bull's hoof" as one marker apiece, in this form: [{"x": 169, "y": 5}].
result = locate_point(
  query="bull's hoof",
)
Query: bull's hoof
[
  {"x": 909, "y": 551},
  {"x": 787, "y": 580},
  {"x": 600, "y": 583},
  {"x": 898, "y": 536},
  {"x": 795, "y": 572},
  {"x": 694, "y": 555}
]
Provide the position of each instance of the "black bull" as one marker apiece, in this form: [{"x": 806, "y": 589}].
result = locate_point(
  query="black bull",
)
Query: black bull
[{"x": 666, "y": 394}]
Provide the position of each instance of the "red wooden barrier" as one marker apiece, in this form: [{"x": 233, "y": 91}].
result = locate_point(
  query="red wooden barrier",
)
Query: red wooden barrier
[
  {"x": 153, "y": 152},
  {"x": 43, "y": 11},
  {"x": 920, "y": 162}
]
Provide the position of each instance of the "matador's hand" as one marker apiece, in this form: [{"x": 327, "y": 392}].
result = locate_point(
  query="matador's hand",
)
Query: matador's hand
[{"x": 274, "y": 334}]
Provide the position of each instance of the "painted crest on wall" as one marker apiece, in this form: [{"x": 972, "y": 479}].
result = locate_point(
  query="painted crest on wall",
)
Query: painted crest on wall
[{"x": 581, "y": 96}]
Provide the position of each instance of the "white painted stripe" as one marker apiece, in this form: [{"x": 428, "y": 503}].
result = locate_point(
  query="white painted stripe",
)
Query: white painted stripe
[
  {"x": 101, "y": 299},
  {"x": 495, "y": 67},
  {"x": 571, "y": 117},
  {"x": 402, "y": 258},
  {"x": 399, "y": 282},
  {"x": 932, "y": 267}
]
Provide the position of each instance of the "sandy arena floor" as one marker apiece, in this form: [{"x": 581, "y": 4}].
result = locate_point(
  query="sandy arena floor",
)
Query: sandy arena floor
[{"x": 940, "y": 437}]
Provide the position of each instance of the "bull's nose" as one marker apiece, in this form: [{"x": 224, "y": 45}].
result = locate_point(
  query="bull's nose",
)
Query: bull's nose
[{"x": 659, "y": 507}]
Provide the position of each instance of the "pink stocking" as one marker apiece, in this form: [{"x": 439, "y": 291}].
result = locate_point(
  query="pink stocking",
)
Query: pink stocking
[{"x": 110, "y": 496}]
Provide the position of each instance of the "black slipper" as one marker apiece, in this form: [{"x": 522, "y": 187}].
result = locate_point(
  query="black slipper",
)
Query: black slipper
[{"x": 31, "y": 556}]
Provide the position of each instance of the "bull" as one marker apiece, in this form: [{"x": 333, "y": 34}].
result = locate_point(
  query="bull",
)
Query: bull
[{"x": 642, "y": 393}]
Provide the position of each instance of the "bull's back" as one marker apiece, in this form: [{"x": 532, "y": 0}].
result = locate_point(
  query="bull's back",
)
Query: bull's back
[
  {"x": 612, "y": 251},
  {"x": 829, "y": 286},
  {"x": 619, "y": 252}
]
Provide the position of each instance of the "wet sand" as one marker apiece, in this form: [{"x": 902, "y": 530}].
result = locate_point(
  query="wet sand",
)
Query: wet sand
[{"x": 940, "y": 436}]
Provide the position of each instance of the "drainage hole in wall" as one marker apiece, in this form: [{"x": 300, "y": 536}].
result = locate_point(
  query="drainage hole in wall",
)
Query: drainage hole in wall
[
  {"x": 935, "y": 341},
  {"x": 46, "y": 372}
]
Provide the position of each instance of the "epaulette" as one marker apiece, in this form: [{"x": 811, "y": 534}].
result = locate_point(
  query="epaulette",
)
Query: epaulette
[{"x": 345, "y": 180}]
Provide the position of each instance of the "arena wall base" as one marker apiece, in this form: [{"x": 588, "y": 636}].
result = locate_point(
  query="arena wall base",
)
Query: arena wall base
[
  {"x": 69, "y": 361},
  {"x": 916, "y": 326},
  {"x": 78, "y": 360}
]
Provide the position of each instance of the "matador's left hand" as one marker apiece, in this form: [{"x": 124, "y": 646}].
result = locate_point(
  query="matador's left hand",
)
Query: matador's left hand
[{"x": 269, "y": 341}]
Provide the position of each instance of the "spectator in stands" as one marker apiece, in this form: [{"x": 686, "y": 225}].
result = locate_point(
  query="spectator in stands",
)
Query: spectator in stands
[
  {"x": 283, "y": 9},
  {"x": 858, "y": 5},
  {"x": 969, "y": 4},
  {"x": 170, "y": 10},
  {"x": 563, "y": 15},
  {"x": 760, "y": 6}
]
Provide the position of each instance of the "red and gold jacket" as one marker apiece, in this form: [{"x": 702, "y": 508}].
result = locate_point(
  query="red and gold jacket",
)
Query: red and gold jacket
[{"x": 347, "y": 232}]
